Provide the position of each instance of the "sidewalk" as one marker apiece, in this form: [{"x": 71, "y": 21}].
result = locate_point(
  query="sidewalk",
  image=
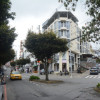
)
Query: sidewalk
[
  {"x": 1, "y": 91},
  {"x": 57, "y": 77}
]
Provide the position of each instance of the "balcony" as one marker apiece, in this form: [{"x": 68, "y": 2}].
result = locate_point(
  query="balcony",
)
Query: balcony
[{"x": 63, "y": 28}]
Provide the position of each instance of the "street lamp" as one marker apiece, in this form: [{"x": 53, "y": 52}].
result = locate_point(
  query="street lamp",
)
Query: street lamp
[{"x": 70, "y": 59}]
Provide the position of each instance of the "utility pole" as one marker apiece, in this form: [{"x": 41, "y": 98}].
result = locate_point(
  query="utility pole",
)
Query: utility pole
[
  {"x": 70, "y": 59},
  {"x": 39, "y": 29}
]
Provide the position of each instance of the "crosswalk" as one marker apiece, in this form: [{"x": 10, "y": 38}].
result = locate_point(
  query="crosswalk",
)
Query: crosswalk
[{"x": 93, "y": 77}]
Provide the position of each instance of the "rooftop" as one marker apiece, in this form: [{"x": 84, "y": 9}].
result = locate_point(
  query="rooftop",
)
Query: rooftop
[{"x": 58, "y": 14}]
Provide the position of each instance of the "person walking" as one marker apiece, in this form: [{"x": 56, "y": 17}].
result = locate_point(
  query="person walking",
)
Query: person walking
[
  {"x": 2, "y": 75},
  {"x": 60, "y": 73}
]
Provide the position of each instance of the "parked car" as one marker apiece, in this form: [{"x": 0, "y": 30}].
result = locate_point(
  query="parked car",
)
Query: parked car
[
  {"x": 42, "y": 72},
  {"x": 98, "y": 69},
  {"x": 15, "y": 75},
  {"x": 94, "y": 70},
  {"x": 51, "y": 72}
]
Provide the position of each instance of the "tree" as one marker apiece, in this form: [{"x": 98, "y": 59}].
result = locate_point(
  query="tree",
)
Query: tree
[
  {"x": 7, "y": 56},
  {"x": 92, "y": 30},
  {"x": 44, "y": 46},
  {"x": 98, "y": 60},
  {"x": 7, "y": 35},
  {"x": 5, "y": 13},
  {"x": 13, "y": 63},
  {"x": 22, "y": 61}
]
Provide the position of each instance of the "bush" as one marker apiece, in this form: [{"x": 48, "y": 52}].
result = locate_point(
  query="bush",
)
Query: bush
[
  {"x": 98, "y": 85},
  {"x": 34, "y": 78}
]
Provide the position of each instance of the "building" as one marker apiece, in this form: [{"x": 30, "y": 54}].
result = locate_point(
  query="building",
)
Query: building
[
  {"x": 64, "y": 24},
  {"x": 25, "y": 54}
]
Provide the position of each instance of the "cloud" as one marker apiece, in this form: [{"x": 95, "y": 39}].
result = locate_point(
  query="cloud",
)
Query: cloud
[
  {"x": 34, "y": 8},
  {"x": 31, "y": 13}
]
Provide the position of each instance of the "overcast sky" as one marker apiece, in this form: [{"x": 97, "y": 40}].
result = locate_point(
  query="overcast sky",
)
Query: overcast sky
[{"x": 31, "y": 13}]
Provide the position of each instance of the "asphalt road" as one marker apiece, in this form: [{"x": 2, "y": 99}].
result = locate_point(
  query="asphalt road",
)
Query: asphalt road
[{"x": 71, "y": 89}]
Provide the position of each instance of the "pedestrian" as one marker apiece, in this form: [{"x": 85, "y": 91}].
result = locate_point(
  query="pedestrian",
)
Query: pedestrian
[
  {"x": 26, "y": 70},
  {"x": 2, "y": 75},
  {"x": 60, "y": 73},
  {"x": 30, "y": 69},
  {"x": 66, "y": 72}
]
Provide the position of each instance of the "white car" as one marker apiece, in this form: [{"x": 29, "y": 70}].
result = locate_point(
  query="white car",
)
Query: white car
[{"x": 42, "y": 71}]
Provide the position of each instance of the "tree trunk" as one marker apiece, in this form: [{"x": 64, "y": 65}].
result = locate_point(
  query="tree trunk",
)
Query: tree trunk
[{"x": 46, "y": 70}]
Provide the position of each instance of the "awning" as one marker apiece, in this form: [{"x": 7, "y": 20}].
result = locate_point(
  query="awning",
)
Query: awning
[{"x": 86, "y": 55}]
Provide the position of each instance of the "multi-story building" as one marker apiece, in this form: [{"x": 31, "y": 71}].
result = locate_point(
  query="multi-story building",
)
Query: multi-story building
[
  {"x": 64, "y": 24},
  {"x": 25, "y": 54},
  {"x": 86, "y": 54}
]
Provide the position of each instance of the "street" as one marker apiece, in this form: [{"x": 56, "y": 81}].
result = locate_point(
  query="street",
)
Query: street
[{"x": 75, "y": 88}]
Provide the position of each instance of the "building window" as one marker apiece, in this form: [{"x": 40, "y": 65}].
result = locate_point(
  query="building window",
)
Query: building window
[
  {"x": 63, "y": 24},
  {"x": 64, "y": 55},
  {"x": 68, "y": 24},
  {"x": 78, "y": 46},
  {"x": 65, "y": 33},
  {"x": 59, "y": 25},
  {"x": 78, "y": 39},
  {"x": 68, "y": 34},
  {"x": 55, "y": 26},
  {"x": 61, "y": 32}
]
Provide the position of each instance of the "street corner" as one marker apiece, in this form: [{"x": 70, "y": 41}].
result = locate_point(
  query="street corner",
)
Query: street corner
[{"x": 90, "y": 94}]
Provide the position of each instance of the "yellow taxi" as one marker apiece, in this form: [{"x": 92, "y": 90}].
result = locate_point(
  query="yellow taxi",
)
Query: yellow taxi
[{"x": 15, "y": 75}]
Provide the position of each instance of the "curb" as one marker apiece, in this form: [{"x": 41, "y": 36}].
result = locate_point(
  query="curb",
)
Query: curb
[{"x": 1, "y": 92}]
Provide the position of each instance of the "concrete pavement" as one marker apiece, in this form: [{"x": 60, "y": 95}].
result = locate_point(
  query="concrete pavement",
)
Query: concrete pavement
[
  {"x": 75, "y": 88},
  {"x": 1, "y": 91},
  {"x": 56, "y": 76}
]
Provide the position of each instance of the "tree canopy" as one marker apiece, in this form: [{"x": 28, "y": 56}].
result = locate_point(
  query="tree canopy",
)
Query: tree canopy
[
  {"x": 44, "y": 46},
  {"x": 92, "y": 30},
  {"x": 13, "y": 63},
  {"x": 5, "y": 13},
  {"x": 7, "y": 34},
  {"x": 7, "y": 56},
  {"x": 22, "y": 61}
]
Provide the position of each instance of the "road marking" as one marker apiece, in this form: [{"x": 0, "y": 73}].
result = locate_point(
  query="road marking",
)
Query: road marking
[
  {"x": 99, "y": 77},
  {"x": 95, "y": 77},
  {"x": 86, "y": 76},
  {"x": 5, "y": 93},
  {"x": 91, "y": 76}
]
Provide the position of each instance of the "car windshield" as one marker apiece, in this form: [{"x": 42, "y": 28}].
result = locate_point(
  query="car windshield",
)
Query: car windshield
[
  {"x": 94, "y": 68},
  {"x": 15, "y": 72}
]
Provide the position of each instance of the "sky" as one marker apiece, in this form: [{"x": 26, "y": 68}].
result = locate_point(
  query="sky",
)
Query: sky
[{"x": 32, "y": 13}]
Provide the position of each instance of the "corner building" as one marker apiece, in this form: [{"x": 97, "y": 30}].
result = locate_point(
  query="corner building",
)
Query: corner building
[{"x": 64, "y": 25}]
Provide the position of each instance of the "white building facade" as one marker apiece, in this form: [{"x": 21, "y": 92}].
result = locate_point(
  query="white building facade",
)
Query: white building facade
[{"x": 64, "y": 25}]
